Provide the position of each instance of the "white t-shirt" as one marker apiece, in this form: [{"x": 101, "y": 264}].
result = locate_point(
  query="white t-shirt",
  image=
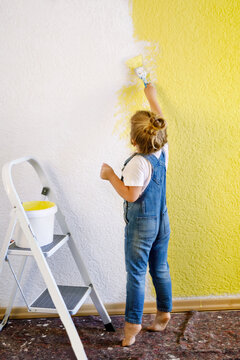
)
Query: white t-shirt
[{"x": 138, "y": 170}]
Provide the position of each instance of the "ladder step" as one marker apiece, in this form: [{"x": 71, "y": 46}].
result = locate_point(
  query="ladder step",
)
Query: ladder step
[
  {"x": 48, "y": 250},
  {"x": 73, "y": 296}
]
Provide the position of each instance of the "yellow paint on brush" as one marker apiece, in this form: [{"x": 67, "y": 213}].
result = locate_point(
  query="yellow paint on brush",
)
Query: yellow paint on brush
[
  {"x": 194, "y": 55},
  {"x": 135, "y": 62}
]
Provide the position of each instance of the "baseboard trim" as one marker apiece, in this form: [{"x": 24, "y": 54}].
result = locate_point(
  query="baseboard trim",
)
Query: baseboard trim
[{"x": 179, "y": 305}]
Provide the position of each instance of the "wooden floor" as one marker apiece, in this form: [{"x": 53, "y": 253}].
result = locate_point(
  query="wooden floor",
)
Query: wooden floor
[{"x": 194, "y": 335}]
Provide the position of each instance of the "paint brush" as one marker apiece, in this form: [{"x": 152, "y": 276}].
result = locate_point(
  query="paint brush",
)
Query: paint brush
[{"x": 136, "y": 63}]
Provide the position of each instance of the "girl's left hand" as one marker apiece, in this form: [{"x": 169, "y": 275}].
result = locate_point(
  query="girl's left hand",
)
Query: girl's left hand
[{"x": 106, "y": 172}]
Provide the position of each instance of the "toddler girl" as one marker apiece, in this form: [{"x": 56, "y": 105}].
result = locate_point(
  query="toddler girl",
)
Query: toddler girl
[{"x": 147, "y": 230}]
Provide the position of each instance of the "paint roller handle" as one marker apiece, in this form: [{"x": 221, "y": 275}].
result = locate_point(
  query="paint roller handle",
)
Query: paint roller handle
[{"x": 151, "y": 95}]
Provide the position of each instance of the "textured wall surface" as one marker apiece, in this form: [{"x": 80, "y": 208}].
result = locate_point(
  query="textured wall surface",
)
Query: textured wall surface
[
  {"x": 193, "y": 54},
  {"x": 62, "y": 63}
]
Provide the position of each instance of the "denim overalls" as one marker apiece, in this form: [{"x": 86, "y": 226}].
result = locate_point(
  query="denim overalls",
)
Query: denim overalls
[{"x": 147, "y": 234}]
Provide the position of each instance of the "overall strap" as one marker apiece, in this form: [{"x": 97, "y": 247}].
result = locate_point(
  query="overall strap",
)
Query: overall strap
[
  {"x": 128, "y": 160},
  {"x": 154, "y": 160},
  {"x": 162, "y": 159}
]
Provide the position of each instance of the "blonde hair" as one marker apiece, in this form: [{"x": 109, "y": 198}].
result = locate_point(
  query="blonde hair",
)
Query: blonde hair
[{"x": 149, "y": 131}]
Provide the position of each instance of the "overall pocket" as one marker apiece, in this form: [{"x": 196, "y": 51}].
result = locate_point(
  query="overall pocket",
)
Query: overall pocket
[
  {"x": 147, "y": 226},
  {"x": 165, "y": 225}
]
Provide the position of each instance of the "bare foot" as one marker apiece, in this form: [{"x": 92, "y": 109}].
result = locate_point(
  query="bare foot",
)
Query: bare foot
[
  {"x": 160, "y": 322},
  {"x": 130, "y": 332}
]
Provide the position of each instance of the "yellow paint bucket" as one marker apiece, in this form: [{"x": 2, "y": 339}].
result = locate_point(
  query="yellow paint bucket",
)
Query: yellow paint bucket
[{"x": 41, "y": 215}]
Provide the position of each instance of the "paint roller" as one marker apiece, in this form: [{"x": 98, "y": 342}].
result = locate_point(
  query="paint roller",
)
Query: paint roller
[{"x": 136, "y": 63}]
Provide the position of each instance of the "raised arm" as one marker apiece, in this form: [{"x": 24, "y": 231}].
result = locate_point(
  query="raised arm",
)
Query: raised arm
[{"x": 151, "y": 95}]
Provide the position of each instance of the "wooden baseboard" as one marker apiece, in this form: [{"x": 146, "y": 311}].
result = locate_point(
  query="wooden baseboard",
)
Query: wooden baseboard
[{"x": 179, "y": 305}]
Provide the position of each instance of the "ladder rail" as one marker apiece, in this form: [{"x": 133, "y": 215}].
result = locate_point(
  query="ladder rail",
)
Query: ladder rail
[
  {"x": 8, "y": 237},
  {"x": 20, "y": 215},
  {"x": 54, "y": 291},
  {"x": 83, "y": 271},
  {"x": 13, "y": 293},
  {"x": 82, "y": 268},
  {"x": 36, "y": 250},
  {"x": 8, "y": 180},
  {"x": 13, "y": 195},
  {"x": 10, "y": 187},
  {"x": 18, "y": 281}
]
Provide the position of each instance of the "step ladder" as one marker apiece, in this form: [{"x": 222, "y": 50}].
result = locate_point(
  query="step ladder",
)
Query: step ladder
[{"x": 61, "y": 299}]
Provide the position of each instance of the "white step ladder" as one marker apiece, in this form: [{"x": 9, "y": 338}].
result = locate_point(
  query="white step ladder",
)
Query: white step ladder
[{"x": 61, "y": 299}]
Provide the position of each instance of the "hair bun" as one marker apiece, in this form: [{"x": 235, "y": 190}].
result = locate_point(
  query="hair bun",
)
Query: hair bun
[{"x": 158, "y": 123}]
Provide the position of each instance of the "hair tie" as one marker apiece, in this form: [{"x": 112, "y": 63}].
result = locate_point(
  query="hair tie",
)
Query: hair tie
[{"x": 153, "y": 121}]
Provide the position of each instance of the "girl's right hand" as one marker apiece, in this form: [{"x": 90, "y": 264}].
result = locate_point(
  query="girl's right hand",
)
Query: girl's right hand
[
  {"x": 106, "y": 172},
  {"x": 150, "y": 92}
]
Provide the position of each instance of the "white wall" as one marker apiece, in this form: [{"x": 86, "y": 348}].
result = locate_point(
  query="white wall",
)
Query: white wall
[{"x": 62, "y": 63}]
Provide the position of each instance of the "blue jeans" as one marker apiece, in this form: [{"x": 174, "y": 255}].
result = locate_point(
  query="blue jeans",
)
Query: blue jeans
[
  {"x": 139, "y": 250},
  {"x": 147, "y": 234}
]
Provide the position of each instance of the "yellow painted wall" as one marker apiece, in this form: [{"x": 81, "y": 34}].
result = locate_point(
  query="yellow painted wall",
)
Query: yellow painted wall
[{"x": 194, "y": 55}]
